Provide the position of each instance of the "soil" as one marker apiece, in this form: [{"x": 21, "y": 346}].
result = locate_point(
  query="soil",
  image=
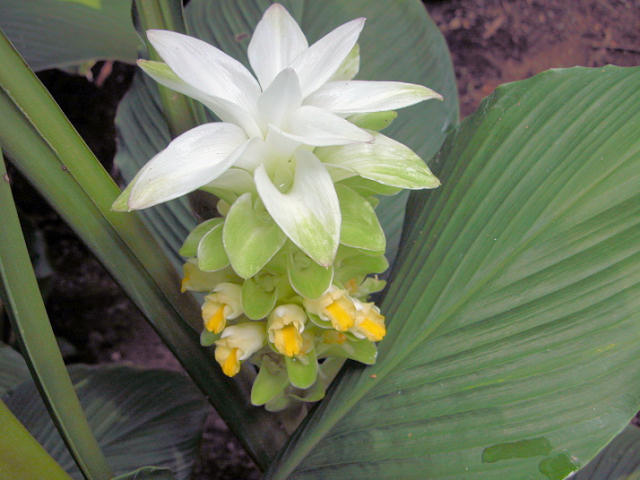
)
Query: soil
[
  {"x": 491, "y": 41},
  {"x": 498, "y": 41}
]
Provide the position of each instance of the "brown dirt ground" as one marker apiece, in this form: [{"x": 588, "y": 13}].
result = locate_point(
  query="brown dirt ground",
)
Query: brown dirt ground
[
  {"x": 498, "y": 41},
  {"x": 492, "y": 42}
]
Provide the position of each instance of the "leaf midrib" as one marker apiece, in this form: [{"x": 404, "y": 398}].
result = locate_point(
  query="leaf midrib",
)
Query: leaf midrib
[
  {"x": 516, "y": 252},
  {"x": 329, "y": 420}
]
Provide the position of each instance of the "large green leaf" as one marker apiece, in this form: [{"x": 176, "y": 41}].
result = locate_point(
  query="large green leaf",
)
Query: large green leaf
[
  {"x": 140, "y": 417},
  {"x": 41, "y": 142},
  {"x": 513, "y": 345},
  {"x": 59, "y": 33},
  {"x": 147, "y": 473},
  {"x": 13, "y": 370},
  {"x": 30, "y": 323},
  {"x": 21, "y": 456},
  {"x": 181, "y": 112},
  {"x": 620, "y": 460},
  {"x": 399, "y": 42}
]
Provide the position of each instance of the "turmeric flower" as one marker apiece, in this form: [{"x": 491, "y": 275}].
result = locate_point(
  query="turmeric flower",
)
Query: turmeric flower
[{"x": 274, "y": 127}]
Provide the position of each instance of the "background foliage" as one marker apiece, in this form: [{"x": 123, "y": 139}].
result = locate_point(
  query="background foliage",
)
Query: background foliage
[{"x": 485, "y": 336}]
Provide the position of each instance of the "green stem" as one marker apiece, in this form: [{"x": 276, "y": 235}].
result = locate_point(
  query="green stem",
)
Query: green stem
[
  {"x": 45, "y": 147},
  {"x": 181, "y": 113},
  {"x": 21, "y": 456},
  {"x": 30, "y": 322},
  {"x": 38, "y": 120}
]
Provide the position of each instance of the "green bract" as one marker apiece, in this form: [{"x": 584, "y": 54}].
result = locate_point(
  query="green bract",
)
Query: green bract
[
  {"x": 307, "y": 277},
  {"x": 360, "y": 226},
  {"x": 302, "y": 370},
  {"x": 269, "y": 130},
  {"x": 211, "y": 253},
  {"x": 296, "y": 163},
  {"x": 250, "y": 236},
  {"x": 258, "y": 299}
]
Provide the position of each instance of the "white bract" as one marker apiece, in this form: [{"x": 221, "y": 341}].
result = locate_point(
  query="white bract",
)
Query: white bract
[{"x": 301, "y": 100}]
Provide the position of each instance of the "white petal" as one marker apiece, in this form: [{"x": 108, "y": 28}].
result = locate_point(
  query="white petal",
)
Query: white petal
[
  {"x": 252, "y": 155},
  {"x": 191, "y": 160},
  {"x": 309, "y": 214},
  {"x": 321, "y": 60},
  {"x": 315, "y": 126},
  {"x": 280, "y": 145},
  {"x": 362, "y": 96},
  {"x": 235, "y": 180},
  {"x": 248, "y": 337},
  {"x": 276, "y": 41},
  {"x": 281, "y": 98},
  {"x": 224, "y": 109},
  {"x": 206, "y": 68},
  {"x": 384, "y": 161}
]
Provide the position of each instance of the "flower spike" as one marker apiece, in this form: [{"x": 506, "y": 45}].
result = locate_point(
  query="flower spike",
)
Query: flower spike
[{"x": 295, "y": 162}]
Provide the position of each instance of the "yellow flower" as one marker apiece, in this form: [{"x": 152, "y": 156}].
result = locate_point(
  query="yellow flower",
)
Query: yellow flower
[
  {"x": 225, "y": 303},
  {"x": 331, "y": 337},
  {"x": 369, "y": 322},
  {"x": 285, "y": 327},
  {"x": 237, "y": 343},
  {"x": 335, "y": 306}
]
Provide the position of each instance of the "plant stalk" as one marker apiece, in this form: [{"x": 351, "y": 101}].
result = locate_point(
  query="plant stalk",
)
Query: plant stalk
[
  {"x": 38, "y": 343},
  {"x": 21, "y": 456},
  {"x": 45, "y": 147},
  {"x": 181, "y": 113}
]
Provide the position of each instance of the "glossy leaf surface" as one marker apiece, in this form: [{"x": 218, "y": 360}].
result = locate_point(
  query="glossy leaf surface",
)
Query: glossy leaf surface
[
  {"x": 60, "y": 33},
  {"x": 513, "y": 341},
  {"x": 29, "y": 321},
  {"x": 147, "y": 473},
  {"x": 20, "y": 455},
  {"x": 13, "y": 370},
  {"x": 41, "y": 142},
  {"x": 620, "y": 460},
  {"x": 140, "y": 417}
]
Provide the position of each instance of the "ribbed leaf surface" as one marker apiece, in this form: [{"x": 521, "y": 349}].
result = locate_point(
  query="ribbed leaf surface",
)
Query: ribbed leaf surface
[
  {"x": 143, "y": 132},
  {"x": 59, "y": 33},
  {"x": 620, "y": 460},
  {"x": 514, "y": 339},
  {"x": 400, "y": 42},
  {"x": 13, "y": 370},
  {"x": 147, "y": 473},
  {"x": 140, "y": 417}
]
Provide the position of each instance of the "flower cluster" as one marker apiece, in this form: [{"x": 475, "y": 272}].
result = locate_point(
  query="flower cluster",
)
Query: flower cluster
[
  {"x": 296, "y": 163},
  {"x": 290, "y": 319}
]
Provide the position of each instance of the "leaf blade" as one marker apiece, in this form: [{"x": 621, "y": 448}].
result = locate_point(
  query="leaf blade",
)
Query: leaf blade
[
  {"x": 48, "y": 151},
  {"x": 617, "y": 461},
  {"x": 19, "y": 291},
  {"x": 54, "y": 33},
  {"x": 496, "y": 300},
  {"x": 133, "y": 426},
  {"x": 21, "y": 456}
]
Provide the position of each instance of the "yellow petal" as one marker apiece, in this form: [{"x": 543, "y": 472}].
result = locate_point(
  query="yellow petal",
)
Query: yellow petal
[
  {"x": 216, "y": 321},
  {"x": 231, "y": 365},
  {"x": 184, "y": 283},
  {"x": 342, "y": 314},
  {"x": 374, "y": 331},
  {"x": 288, "y": 341}
]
